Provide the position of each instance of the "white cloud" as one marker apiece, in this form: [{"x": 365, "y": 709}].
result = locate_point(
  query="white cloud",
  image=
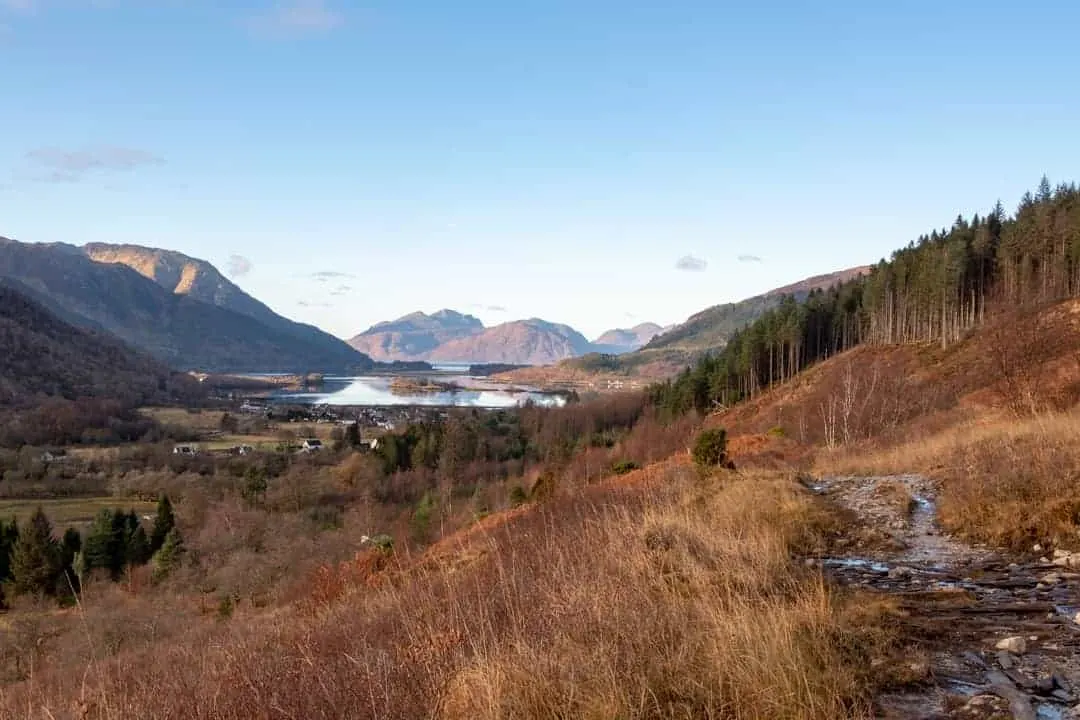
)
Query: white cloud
[
  {"x": 690, "y": 263},
  {"x": 298, "y": 17},
  {"x": 239, "y": 266}
]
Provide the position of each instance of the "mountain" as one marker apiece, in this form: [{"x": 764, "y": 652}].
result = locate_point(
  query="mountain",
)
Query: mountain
[
  {"x": 672, "y": 350},
  {"x": 177, "y": 309},
  {"x": 616, "y": 342},
  {"x": 710, "y": 328},
  {"x": 43, "y": 355},
  {"x": 523, "y": 342},
  {"x": 415, "y": 335}
]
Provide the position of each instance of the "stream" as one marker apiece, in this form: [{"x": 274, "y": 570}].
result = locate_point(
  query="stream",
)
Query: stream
[{"x": 1001, "y": 633}]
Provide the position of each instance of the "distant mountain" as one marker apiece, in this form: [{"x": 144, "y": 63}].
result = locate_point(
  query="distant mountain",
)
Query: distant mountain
[
  {"x": 414, "y": 336},
  {"x": 523, "y": 342},
  {"x": 705, "y": 331},
  {"x": 43, "y": 355},
  {"x": 616, "y": 342},
  {"x": 711, "y": 327},
  {"x": 178, "y": 309}
]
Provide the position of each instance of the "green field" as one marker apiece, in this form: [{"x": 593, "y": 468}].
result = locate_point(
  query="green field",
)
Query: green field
[{"x": 65, "y": 512}]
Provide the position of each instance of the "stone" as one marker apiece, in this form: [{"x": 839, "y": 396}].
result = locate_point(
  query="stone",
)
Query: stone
[
  {"x": 899, "y": 572},
  {"x": 1036, "y": 548},
  {"x": 1077, "y": 618},
  {"x": 1015, "y": 645},
  {"x": 1061, "y": 695},
  {"x": 1050, "y": 578},
  {"x": 1005, "y": 660}
]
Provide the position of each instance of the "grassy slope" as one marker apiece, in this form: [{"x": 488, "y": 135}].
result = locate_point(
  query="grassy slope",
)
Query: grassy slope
[{"x": 658, "y": 594}]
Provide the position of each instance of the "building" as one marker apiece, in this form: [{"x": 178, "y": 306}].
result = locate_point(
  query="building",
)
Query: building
[
  {"x": 311, "y": 445},
  {"x": 188, "y": 450}
]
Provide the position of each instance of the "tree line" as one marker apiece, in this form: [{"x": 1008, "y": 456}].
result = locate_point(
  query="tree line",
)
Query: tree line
[
  {"x": 34, "y": 562},
  {"x": 934, "y": 290}
]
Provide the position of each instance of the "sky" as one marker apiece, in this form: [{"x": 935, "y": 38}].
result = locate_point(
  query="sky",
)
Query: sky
[{"x": 591, "y": 162}]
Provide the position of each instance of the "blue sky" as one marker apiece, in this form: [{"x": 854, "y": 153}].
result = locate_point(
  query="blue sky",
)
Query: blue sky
[{"x": 598, "y": 163}]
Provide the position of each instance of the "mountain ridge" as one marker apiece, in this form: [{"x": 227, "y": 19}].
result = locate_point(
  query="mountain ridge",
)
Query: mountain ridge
[{"x": 178, "y": 329}]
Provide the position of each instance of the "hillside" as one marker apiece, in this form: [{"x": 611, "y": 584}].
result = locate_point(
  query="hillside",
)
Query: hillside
[
  {"x": 179, "y": 329},
  {"x": 43, "y": 355},
  {"x": 415, "y": 335},
  {"x": 619, "y": 341},
  {"x": 711, "y": 328},
  {"x": 523, "y": 342},
  {"x": 934, "y": 291},
  {"x": 199, "y": 280}
]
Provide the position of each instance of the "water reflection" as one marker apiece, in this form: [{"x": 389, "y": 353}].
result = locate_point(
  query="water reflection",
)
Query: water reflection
[{"x": 376, "y": 391}]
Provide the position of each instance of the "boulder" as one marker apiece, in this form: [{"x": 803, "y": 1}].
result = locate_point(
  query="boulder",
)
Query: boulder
[{"x": 1015, "y": 645}]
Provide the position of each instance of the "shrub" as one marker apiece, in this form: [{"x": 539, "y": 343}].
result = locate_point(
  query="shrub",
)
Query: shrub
[
  {"x": 624, "y": 466},
  {"x": 518, "y": 496},
  {"x": 710, "y": 448}
]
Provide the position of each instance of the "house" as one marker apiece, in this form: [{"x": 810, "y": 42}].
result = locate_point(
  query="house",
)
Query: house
[
  {"x": 188, "y": 450},
  {"x": 311, "y": 445},
  {"x": 50, "y": 456}
]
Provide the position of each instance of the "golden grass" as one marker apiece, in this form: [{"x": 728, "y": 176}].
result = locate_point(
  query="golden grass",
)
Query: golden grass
[
  {"x": 659, "y": 595},
  {"x": 65, "y": 512},
  {"x": 1007, "y": 482}
]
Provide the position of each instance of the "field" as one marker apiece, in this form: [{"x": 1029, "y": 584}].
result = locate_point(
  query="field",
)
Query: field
[{"x": 68, "y": 512}]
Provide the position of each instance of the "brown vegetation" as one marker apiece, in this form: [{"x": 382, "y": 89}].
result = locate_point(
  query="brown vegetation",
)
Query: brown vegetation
[{"x": 655, "y": 595}]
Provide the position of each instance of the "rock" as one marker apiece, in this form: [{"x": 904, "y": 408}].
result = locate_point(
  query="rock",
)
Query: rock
[
  {"x": 810, "y": 562},
  {"x": 1005, "y": 660},
  {"x": 1059, "y": 554},
  {"x": 1044, "y": 685},
  {"x": 1061, "y": 695},
  {"x": 1077, "y": 618},
  {"x": 1036, "y": 548},
  {"x": 1015, "y": 645},
  {"x": 899, "y": 572},
  {"x": 1050, "y": 578}
]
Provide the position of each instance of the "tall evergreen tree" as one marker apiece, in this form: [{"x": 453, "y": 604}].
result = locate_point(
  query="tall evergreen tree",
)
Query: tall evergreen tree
[
  {"x": 168, "y": 557},
  {"x": 35, "y": 562},
  {"x": 164, "y": 522}
]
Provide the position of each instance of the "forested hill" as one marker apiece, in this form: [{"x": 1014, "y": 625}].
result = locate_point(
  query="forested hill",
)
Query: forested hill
[
  {"x": 43, "y": 355},
  {"x": 933, "y": 290}
]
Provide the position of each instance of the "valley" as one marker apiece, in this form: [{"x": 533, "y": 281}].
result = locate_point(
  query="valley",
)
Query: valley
[{"x": 853, "y": 508}]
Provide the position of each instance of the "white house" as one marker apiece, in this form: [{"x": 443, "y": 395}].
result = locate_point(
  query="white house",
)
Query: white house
[
  {"x": 188, "y": 450},
  {"x": 311, "y": 445}
]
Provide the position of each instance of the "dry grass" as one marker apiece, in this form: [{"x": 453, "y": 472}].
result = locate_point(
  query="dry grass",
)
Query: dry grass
[
  {"x": 1007, "y": 482},
  {"x": 655, "y": 595},
  {"x": 65, "y": 512}
]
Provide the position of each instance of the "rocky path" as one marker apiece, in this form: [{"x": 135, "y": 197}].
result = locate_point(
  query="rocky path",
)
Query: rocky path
[{"x": 1003, "y": 635}]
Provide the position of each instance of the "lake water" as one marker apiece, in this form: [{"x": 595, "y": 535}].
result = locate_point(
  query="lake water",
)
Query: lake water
[{"x": 376, "y": 391}]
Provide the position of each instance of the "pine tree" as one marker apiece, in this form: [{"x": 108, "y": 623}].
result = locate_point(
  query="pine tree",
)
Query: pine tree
[
  {"x": 164, "y": 522},
  {"x": 168, "y": 557},
  {"x": 35, "y": 562},
  {"x": 104, "y": 544},
  {"x": 9, "y": 533},
  {"x": 138, "y": 548}
]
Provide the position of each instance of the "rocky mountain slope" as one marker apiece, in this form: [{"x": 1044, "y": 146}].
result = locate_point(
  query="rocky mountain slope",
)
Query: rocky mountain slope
[
  {"x": 160, "y": 308},
  {"x": 523, "y": 342},
  {"x": 414, "y": 336},
  {"x": 619, "y": 341},
  {"x": 449, "y": 336}
]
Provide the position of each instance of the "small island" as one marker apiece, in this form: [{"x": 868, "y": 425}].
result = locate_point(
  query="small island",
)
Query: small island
[{"x": 413, "y": 385}]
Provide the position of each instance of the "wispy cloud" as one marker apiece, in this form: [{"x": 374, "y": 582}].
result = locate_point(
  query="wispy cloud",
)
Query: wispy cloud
[
  {"x": 496, "y": 308},
  {"x": 19, "y": 6},
  {"x": 690, "y": 263},
  {"x": 239, "y": 266},
  {"x": 750, "y": 259},
  {"x": 341, "y": 290},
  {"x": 312, "y": 304},
  {"x": 67, "y": 166},
  {"x": 297, "y": 17},
  {"x": 328, "y": 275}
]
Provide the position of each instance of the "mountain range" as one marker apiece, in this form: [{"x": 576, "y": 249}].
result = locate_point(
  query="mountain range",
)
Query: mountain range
[
  {"x": 450, "y": 336},
  {"x": 177, "y": 309}
]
